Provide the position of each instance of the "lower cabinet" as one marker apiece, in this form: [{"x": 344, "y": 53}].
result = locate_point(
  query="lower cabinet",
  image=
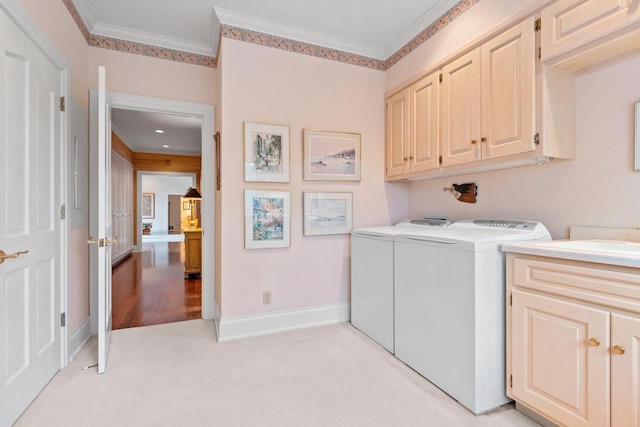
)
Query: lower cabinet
[
  {"x": 192, "y": 251},
  {"x": 573, "y": 340}
]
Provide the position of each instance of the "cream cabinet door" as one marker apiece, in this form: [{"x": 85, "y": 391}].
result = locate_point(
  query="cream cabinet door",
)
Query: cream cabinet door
[
  {"x": 461, "y": 108},
  {"x": 397, "y": 138},
  {"x": 568, "y": 24},
  {"x": 508, "y": 92},
  {"x": 560, "y": 353},
  {"x": 424, "y": 124},
  {"x": 625, "y": 371}
]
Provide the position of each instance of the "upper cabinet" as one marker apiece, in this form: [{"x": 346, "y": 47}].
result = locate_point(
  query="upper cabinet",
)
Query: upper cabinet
[
  {"x": 572, "y": 24},
  {"x": 412, "y": 128},
  {"x": 479, "y": 107}
]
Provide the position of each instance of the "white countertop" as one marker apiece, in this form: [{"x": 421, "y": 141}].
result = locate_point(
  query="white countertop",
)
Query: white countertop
[{"x": 628, "y": 259}]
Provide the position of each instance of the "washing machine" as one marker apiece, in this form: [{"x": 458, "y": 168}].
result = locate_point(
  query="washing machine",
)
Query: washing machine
[
  {"x": 372, "y": 277},
  {"x": 449, "y": 305}
]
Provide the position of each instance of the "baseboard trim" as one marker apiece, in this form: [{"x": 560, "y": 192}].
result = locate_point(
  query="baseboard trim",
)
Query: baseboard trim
[
  {"x": 79, "y": 337},
  {"x": 262, "y": 324}
]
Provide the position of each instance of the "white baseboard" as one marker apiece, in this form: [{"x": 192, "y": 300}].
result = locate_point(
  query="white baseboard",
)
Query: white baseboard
[
  {"x": 263, "y": 324},
  {"x": 79, "y": 337},
  {"x": 216, "y": 318}
]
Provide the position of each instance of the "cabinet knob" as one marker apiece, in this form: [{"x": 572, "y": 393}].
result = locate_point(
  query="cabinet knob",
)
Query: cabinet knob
[
  {"x": 594, "y": 342},
  {"x": 483, "y": 139},
  {"x": 405, "y": 159},
  {"x": 410, "y": 157},
  {"x": 473, "y": 141},
  {"x": 618, "y": 349}
]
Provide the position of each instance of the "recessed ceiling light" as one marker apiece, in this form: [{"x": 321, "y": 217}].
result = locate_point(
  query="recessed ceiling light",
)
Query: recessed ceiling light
[
  {"x": 165, "y": 146},
  {"x": 159, "y": 131}
]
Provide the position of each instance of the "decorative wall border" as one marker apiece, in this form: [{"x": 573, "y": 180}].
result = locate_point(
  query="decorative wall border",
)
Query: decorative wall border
[
  {"x": 430, "y": 31},
  {"x": 276, "y": 42},
  {"x": 268, "y": 40}
]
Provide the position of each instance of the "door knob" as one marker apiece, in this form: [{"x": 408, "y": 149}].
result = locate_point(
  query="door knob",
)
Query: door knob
[
  {"x": 111, "y": 241},
  {"x": 618, "y": 349},
  {"x": 594, "y": 342},
  {"x": 4, "y": 255}
]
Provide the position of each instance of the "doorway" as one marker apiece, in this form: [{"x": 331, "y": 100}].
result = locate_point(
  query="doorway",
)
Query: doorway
[
  {"x": 150, "y": 286},
  {"x": 205, "y": 114}
]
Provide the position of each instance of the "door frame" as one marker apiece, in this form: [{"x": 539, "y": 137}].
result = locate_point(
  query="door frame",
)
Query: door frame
[
  {"x": 205, "y": 113},
  {"x": 17, "y": 12}
]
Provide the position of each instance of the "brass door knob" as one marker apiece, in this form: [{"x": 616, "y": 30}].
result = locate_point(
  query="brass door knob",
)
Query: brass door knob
[
  {"x": 4, "y": 255},
  {"x": 618, "y": 349},
  {"x": 594, "y": 342}
]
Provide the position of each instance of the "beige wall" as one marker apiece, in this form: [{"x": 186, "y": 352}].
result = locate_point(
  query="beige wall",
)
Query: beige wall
[{"x": 272, "y": 86}]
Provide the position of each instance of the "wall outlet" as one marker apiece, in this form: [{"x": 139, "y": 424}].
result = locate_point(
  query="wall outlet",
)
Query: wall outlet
[{"x": 266, "y": 297}]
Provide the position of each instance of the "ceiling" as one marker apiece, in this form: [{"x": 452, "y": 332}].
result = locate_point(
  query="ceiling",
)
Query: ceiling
[
  {"x": 371, "y": 28},
  {"x": 138, "y": 130}
]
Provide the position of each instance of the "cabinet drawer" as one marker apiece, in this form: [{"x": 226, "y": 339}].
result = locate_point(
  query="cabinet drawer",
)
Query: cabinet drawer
[{"x": 612, "y": 287}]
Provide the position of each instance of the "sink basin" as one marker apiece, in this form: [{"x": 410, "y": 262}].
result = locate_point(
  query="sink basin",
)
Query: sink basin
[{"x": 601, "y": 246}]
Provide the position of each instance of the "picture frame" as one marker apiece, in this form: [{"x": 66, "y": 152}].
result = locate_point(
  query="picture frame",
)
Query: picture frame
[
  {"x": 267, "y": 219},
  {"x": 331, "y": 156},
  {"x": 148, "y": 205},
  {"x": 266, "y": 153},
  {"x": 186, "y": 205},
  {"x": 327, "y": 213}
]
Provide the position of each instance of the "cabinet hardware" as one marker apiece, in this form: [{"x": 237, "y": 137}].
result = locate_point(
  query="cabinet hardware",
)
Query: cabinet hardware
[
  {"x": 483, "y": 139},
  {"x": 405, "y": 159},
  {"x": 537, "y": 25},
  {"x": 594, "y": 342},
  {"x": 618, "y": 349},
  {"x": 473, "y": 141},
  {"x": 440, "y": 77},
  {"x": 410, "y": 157}
]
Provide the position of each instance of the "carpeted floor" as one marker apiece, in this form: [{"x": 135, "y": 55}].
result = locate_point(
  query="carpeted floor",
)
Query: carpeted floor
[{"x": 178, "y": 375}]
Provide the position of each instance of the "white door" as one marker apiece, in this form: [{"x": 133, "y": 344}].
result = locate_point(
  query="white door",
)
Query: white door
[
  {"x": 30, "y": 198},
  {"x": 100, "y": 223}
]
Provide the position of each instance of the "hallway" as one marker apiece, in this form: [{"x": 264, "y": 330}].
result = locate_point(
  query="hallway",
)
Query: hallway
[{"x": 149, "y": 288}]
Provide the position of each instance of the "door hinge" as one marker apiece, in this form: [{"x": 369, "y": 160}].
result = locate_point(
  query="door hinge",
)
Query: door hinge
[
  {"x": 440, "y": 160},
  {"x": 536, "y": 139},
  {"x": 63, "y": 319},
  {"x": 537, "y": 24},
  {"x": 510, "y": 380},
  {"x": 510, "y": 299},
  {"x": 539, "y": 52},
  {"x": 63, "y": 211},
  {"x": 63, "y": 104},
  {"x": 440, "y": 78}
]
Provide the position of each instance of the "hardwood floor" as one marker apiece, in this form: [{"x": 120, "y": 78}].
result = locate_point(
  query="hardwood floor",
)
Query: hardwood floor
[{"x": 149, "y": 288}]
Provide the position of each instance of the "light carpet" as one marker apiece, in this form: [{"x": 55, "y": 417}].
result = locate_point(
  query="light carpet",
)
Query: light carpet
[{"x": 177, "y": 374}]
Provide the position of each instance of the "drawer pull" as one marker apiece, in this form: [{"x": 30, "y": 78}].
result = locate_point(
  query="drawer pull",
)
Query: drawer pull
[
  {"x": 618, "y": 349},
  {"x": 594, "y": 342}
]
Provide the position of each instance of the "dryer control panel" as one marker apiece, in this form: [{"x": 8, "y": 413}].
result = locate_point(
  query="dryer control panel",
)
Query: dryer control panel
[{"x": 501, "y": 223}]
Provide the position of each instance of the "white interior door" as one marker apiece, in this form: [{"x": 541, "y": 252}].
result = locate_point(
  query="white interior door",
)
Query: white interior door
[
  {"x": 100, "y": 224},
  {"x": 30, "y": 225}
]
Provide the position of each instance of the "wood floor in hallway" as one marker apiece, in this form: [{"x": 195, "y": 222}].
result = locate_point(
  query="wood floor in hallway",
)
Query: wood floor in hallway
[{"x": 149, "y": 288}]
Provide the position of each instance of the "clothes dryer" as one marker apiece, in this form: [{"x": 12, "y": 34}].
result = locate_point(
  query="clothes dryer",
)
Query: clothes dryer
[
  {"x": 450, "y": 306},
  {"x": 372, "y": 277}
]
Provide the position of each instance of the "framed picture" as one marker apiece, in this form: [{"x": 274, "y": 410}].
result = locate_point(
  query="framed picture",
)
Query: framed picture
[
  {"x": 327, "y": 213},
  {"x": 331, "y": 156},
  {"x": 267, "y": 219},
  {"x": 266, "y": 153},
  {"x": 186, "y": 205},
  {"x": 148, "y": 205}
]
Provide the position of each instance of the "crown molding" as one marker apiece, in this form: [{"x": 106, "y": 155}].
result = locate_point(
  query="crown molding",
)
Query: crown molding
[
  {"x": 438, "y": 11},
  {"x": 85, "y": 13},
  {"x": 123, "y": 33},
  {"x": 252, "y": 23}
]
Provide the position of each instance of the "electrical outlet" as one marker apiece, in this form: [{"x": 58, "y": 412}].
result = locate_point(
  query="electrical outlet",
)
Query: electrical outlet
[{"x": 266, "y": 297}]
